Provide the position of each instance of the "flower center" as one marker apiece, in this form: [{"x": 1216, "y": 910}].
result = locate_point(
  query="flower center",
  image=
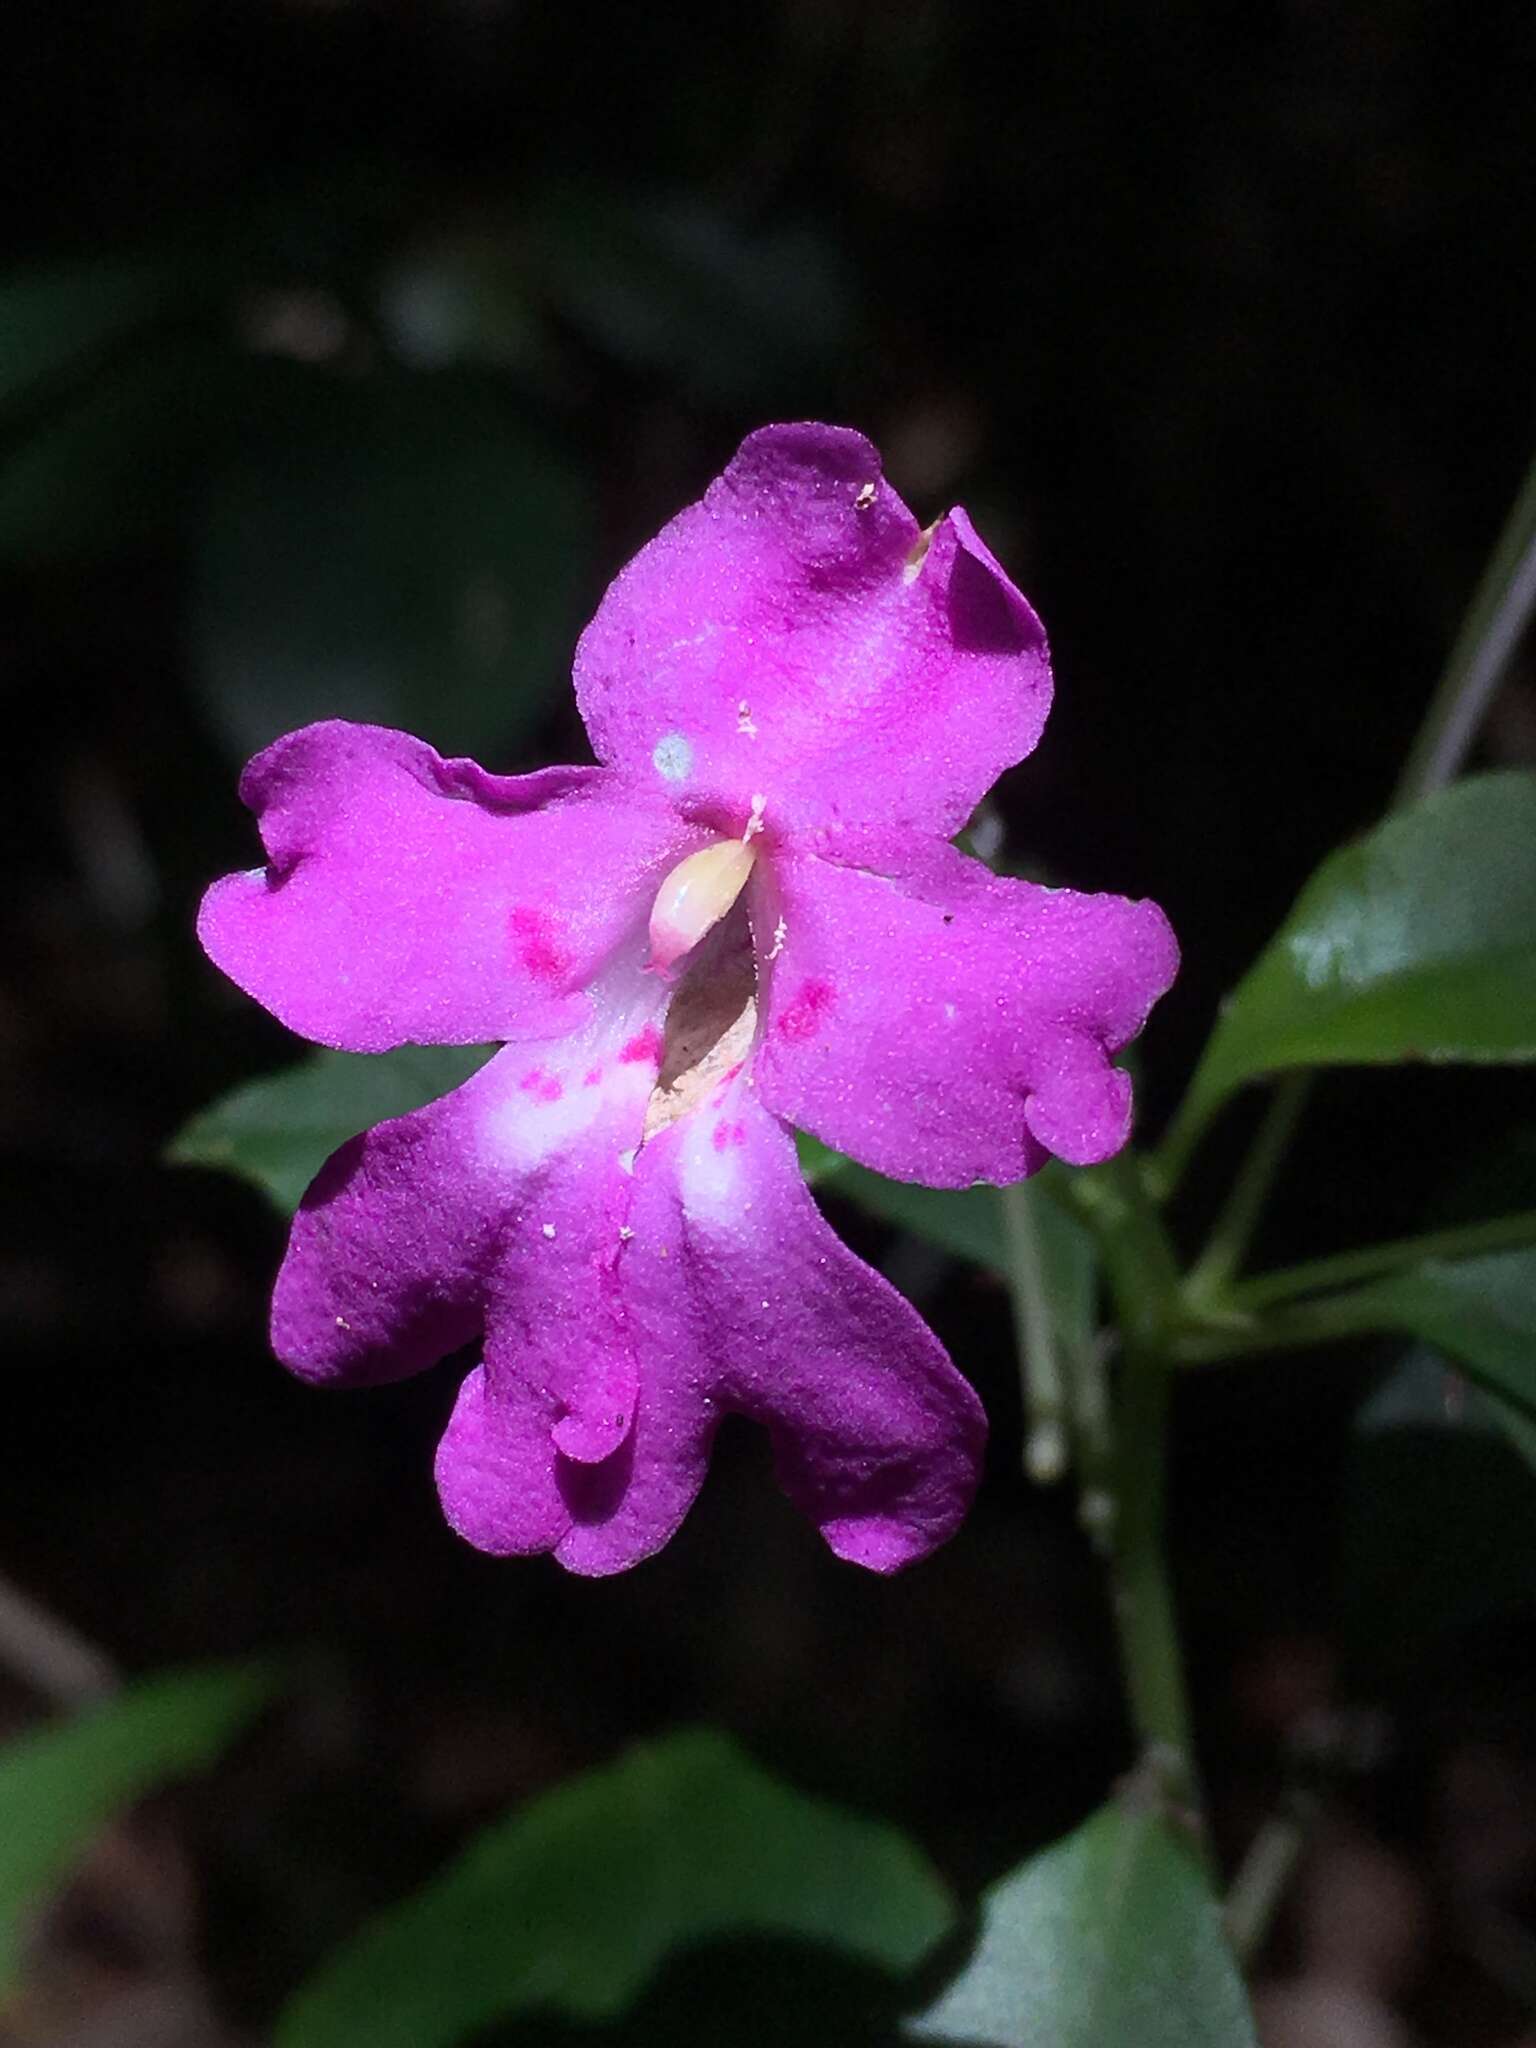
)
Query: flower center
[
  {"x": 711, "y": 1015},
  {"x": 696, "y": 895}
]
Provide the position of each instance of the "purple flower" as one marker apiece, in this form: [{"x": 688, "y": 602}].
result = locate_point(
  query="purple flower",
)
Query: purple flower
[{"x": 749, "y": 917}]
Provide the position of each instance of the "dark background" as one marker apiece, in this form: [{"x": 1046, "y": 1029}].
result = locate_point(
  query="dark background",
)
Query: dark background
[{"x": 1221, "y": 320}]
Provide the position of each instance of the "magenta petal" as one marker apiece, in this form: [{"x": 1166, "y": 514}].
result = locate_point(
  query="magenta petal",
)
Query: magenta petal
[
  {"x": 744, "y": 1299},
  {"x": 793, "y": 635},
  {"x": 943, "y": 1024},
  {"x": 496, "y": 1470},
  {"x": 413, "y": 900},
  {"x": 733, "y": 1295},
  {"x": 390, "y": 1250},
  {"x": 500, "y": 1207},
  {"x": 574, "y": 1436},
  {"x": 552, "y": 1434}
]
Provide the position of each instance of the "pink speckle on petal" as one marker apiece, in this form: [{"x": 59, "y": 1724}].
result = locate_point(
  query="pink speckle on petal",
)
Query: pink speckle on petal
[
  {"x": 545, "y": 1086},
  {"x": 725, "y": 1135},
  {"x": 592, "y": 1077},
  {"x": 645, "y": 1045},
  {"x": 533, "y": 937},
  {"x": 802, "y": 1018}
]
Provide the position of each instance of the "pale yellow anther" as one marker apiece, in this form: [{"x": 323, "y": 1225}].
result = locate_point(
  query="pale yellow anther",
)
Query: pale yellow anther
[{"x": 696, "y": 895}]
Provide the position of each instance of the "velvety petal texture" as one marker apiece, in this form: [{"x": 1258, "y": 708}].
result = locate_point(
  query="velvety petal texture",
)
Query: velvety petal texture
[
  {"x": 735, "y": 1297},
  {"x": 412, "y": 900},
  {"x": 495, "y": 1204},
  {"x": 795, "y": 637},
  {"x": 943, "y": 1024},
  {"x": 747, "y": 918}
]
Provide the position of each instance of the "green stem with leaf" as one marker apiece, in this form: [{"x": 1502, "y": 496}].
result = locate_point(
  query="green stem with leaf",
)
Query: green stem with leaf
[
  {"x": 1167, "y": 1321},
  {"x": 1496, "y": 621},
  {"x": 1140, "y": 1268},
  {"x": 1372, "y": 1262}
]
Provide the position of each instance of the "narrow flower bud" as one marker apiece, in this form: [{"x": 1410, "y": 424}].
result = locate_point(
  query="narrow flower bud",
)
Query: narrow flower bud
[{"x": 696, "y": 895}]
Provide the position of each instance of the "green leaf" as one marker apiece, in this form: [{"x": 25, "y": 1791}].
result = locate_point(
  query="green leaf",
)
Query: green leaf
[
  {"x": 1439, "y": 1524},
  {"x": 400, "y": 549},
  {"x": 967, "y": 1222},
  {"x": 572, "y": 1904},
  {"x": 118, "y": 460},
  {"x": 461, "y": 297},
  {"x": 1481, "y": 1312},
  {"x": 278, "y": 1132},
  {"x": 1417, "y": 942},
  {"x": 963, "y": 1221},
  {"x": 1111, "y": 1936},
  {"x": 60, "y": 1782},
  {"x": 671, "y": 281},
  {"x": 818, "y": 1162},
  {"x": 55, "y": 317}
]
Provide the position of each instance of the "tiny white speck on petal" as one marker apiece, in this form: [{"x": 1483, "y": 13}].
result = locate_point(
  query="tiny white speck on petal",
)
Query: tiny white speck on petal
[
  {"x": 625, "y": 1233},
  {"x": 549, "y": 1230},
  {"x": 673, "y": 758},
  {"x": 745, "y": 722}
]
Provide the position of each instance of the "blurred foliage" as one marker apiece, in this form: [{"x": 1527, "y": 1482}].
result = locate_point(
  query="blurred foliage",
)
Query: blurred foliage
[
  {"x": 403, "y": 551},
  {"x": 1439, "y": 1533},
  {"x": 59, "y": 1784},
  {"x": 572, "y": 1905}
]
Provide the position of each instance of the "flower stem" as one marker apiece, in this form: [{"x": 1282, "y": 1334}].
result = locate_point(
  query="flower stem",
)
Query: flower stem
[
  {"x": 1265, "y": 1874},
  {"x": 1143, "y": 1599},
  {"x": 1345, "y": 1269},
  {"x": 1360, "y": 1312},
  {"x": 1045, "y": 1432},
  {"x": 1495, "y": 623},
  {"x": 1140, "y": 1268},
  {"x": 1232, "y": 1232}
]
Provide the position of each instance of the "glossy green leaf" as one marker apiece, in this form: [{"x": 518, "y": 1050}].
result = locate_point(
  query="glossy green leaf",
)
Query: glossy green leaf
[
  {"x": 572, "y": 1905},
  {"x": 1110, "y": 1937},
  {"x": 60, "y": 1782},
  {"x": 279, "y": 1131},
  {"x": 1417, "y": 942},
  {"x": 405, "y": 550}
]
